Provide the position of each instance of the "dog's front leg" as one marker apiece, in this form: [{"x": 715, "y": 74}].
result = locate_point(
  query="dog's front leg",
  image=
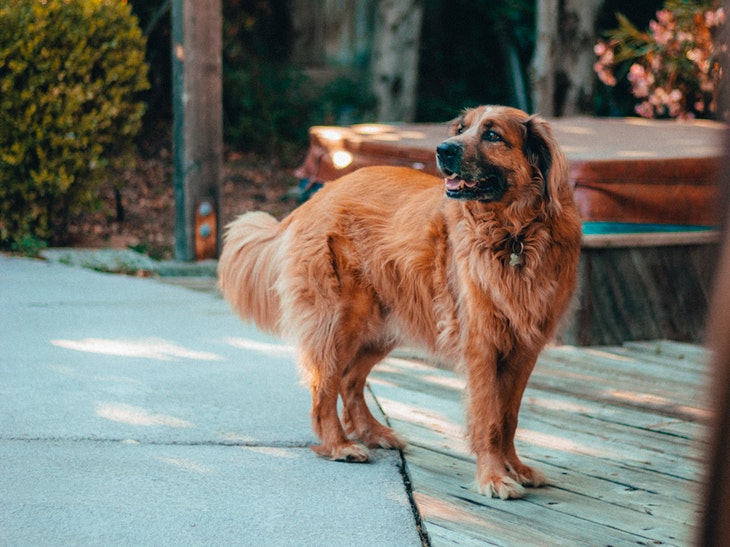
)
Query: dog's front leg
[
  {"x": 514, "y": 373},
  {"x": 495, "y": 391}
]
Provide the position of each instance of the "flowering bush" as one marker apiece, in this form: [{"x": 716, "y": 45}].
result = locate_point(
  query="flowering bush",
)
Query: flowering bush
[{"x": 674, "y": 68}]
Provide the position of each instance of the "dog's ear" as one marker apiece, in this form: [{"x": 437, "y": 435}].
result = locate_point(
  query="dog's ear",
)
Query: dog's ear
[{"x": 547, "y": 159}]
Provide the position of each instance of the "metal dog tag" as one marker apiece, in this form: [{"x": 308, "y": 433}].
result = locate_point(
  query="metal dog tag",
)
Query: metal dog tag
[{"x": 515, "y": 259}]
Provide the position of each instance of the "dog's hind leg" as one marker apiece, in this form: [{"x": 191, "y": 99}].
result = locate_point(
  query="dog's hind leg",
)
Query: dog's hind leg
[
  {"x": 356, "y": 416},
  {"x": 325, "y": 383},
  {"x": 341, "y": 313}
]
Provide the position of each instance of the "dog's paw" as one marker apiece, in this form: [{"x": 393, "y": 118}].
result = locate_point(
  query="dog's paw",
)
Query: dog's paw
[
  {"x": 391, "y": 440},
  {"x": 347, "y": 452},
  {"x": 527, "y": 476},
  {"x": 384, "y": 437},
  {"x": 503, "y": 487}
]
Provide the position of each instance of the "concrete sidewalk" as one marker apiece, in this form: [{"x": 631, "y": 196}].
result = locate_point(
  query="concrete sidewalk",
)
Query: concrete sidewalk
[{"x": 138, "y": 413}]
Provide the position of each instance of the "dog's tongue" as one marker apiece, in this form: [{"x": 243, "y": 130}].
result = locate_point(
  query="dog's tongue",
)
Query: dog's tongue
[{"x": 457, "y": 183}]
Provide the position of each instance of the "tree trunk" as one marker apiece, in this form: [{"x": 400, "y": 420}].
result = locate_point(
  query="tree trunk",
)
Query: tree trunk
[
  {"x": 332, "y": 33},
  {"x": 562, "y": 66},
  {"x": 394, "y": 65}
]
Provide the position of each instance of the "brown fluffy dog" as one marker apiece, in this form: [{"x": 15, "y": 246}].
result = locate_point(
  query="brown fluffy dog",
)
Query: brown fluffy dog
[{"x": 477, "y": 267}]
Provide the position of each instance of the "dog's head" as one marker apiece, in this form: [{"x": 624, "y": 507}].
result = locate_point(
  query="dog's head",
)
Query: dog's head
[{"x": 497, "y": 152}]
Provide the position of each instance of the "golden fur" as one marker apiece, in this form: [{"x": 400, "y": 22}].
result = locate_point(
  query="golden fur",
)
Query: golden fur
[{"x": 477, "y": 268}]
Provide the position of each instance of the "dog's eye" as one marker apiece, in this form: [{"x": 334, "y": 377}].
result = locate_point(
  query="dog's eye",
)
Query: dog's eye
[
  {"x": 491, "y": 136},
  {"x": 460, "y": 129}
]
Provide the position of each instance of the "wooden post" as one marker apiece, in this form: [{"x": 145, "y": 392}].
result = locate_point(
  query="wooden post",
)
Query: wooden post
[{"x": 197, "y": 127}]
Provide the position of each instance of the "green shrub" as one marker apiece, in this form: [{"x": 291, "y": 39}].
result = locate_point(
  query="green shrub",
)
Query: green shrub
[
  {"x": 69, "y": 74},
  {"x": 265, "y": 106},
  {"x": 269, "y": 108}
]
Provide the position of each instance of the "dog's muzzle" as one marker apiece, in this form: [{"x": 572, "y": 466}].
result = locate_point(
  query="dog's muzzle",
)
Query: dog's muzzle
[
  {"x": 448, "y": 157},
  {"x": 470, "y": 182}
]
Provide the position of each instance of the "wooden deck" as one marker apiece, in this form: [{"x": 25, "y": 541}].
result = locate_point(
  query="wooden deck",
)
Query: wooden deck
[{"x": 620, "y": 432}]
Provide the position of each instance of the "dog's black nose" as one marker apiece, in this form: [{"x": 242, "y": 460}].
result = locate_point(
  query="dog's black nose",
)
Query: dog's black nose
[
  {"x": 448, "y": 151},
  {"x": 448, "y": 156}
]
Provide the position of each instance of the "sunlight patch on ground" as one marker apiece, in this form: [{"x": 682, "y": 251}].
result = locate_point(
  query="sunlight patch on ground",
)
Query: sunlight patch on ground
[
  {"x": 431, "y": 419},
  {"x": 554, "y": 442},
  {"x": 637, "y": 397},
  {"x": 279, "y": 350},
  {"x": 439, "y": 509},
  {"x": 187, "y": 465},
  {"x": 236, "y": 438},
  {"x": 553, "y": 404},
  {"x": 453, "y": 382},
  {"x": 609, "y": 355},
  {"x": 152, "y": 348},
  {"x": 275, "y": 451},
  {"x": 138, "y": 416},
  {"x": 658, "y": 400},
  {"x": 73, "y": 373},
  {"x": 395, "y": 363}
]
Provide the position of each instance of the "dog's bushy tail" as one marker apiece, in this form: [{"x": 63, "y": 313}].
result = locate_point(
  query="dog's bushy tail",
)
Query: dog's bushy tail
[{"x": 249, "y": 266}]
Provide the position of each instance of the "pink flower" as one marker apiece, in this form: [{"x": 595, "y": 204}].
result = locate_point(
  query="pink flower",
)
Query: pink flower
[
  {"x": 674, "y": 103},
  {"x": 603, "y": 67},
  {"x": 663, "y": 27},
  {"x": 641, "y": 80},
  {"x": 683, "y": 36},
  {"x": 658, "y": 98},
  {"x": 604, "y": 74},
  {"x": 604, "y": 52},
  {"x": 665, "y": 17},
  {"x": 644, "y": 109},
  {"x": 674, "y": 67},
  {"x": 715, "y": 18}
]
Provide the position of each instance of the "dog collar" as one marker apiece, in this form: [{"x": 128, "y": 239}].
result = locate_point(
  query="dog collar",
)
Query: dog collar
[{"x": 517, "y": 248}]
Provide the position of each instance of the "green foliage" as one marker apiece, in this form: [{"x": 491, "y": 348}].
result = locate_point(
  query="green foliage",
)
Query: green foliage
[
  {"x": 268, "y": 104},
  {"x": 28, "y": 245},
  {"x": 265, "y": 105},
  {"x": 465, "y": 52},
  {"x": 270, "y": 107},
  {"x": 69, "y": 73}
]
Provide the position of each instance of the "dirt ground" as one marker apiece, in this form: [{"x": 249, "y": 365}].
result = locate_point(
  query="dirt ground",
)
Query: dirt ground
[{"x": 137, "y": 207}]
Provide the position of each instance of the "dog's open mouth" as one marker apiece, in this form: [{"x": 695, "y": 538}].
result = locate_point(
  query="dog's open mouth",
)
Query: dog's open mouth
[
  {"x": 454, "y": 182},
  {"x": 457, "y": 187}
]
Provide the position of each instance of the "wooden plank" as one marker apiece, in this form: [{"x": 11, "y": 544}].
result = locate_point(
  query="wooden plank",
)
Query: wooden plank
[
  {"x": 608, "y": 360},
  {"x": 603, "y": 441},
  {"x": 442, "y": 426},
  {"x": 558, "y": 463},
  {"x": 536, "y": 400},
  {"x": 650, "y": 239},
  {"x": 569, "y": 374},
  {"x": 679, "y": 351},
  {"x": 666, "y": 497},
  {"x": 562, "y": 512},
  {"x": 619, "y": 473},
  {"x": 654, "y": 355},
  {"x": 562, "y": 451}
]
